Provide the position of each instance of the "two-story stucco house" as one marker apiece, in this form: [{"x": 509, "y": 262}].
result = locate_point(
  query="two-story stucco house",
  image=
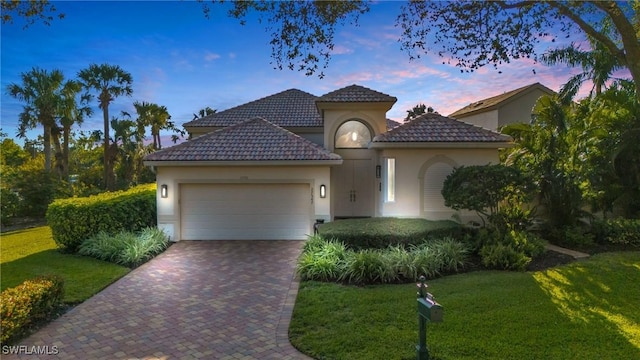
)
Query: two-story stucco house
[
  {"x": 511, "y": 107},
  {"x": 270, "y": 168}
]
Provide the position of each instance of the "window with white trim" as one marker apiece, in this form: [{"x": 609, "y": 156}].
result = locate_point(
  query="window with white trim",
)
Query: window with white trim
[{"x": 390, "y": 177}]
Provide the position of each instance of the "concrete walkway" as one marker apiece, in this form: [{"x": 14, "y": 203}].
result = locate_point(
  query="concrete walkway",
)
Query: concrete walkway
[
  {"x": 198, "y": 300},
  {"x": 575, "y": 254}
]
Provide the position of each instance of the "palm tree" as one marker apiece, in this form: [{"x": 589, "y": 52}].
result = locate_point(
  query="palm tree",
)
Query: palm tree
[
  {"x": 71, "y": 111},
  {"x": 110, "y": 82},
  {"x": 40, "y": 90},
  {"x": 597, "y": 65},
  {"x": 157, "y": 117},
  {"x": 206, "y": 111}
]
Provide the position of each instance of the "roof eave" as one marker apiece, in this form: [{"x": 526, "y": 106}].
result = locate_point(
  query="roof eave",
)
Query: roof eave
[
  {"x": 182, "y": 163},
  {"x": 441, "y": 145}
]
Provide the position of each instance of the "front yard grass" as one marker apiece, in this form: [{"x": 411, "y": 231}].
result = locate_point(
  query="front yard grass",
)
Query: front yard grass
[
  {"x": 584, "y": 310},
  {"x": 25, "y": 254}
]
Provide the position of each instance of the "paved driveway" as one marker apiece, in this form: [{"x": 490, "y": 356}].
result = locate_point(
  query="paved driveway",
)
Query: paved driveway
[{"x": 198, "y": 300}]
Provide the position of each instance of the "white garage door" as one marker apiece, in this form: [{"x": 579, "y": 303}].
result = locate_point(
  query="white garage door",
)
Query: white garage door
[{"x": 245, "y": 211}]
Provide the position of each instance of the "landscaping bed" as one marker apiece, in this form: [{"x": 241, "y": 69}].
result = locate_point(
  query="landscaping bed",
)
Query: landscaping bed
[{"x": 586, "y": 309}]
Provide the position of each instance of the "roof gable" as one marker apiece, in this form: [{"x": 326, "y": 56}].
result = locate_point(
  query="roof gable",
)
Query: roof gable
[
  {"x": 289, "y": 108},
  {"x": 356, "y": 93},
  {"x": 499, "y": 100},
  {"x": 252, "y": 140},
  {"x": 435, "y": 128}
]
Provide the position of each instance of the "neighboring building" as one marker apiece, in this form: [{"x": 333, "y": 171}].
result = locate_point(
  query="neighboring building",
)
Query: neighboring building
[
  {"x": 511, "y": 107},
  {"x": 270, "y": 168}
]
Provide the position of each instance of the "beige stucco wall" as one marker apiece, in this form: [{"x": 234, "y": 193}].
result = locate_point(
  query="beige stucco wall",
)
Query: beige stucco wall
[
  {"x": 487, "y": 120},
  {"x": 169, "y": 208},
  {"x": 519, "y": 110},
  {"x": 411, "y": 165}
]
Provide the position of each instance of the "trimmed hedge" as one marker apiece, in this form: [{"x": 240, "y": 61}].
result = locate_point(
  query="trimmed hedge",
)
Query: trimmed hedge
[
  {"x": 378, "y": 233},
  {"x": 32, "y": 301},
  {"x": 76, "y": 219}
]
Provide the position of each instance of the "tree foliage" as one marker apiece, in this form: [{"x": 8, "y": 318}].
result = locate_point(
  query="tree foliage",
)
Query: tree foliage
[
  {"x": 302, "y": 32},
  {"x": 32, "y": 11},
  {"x": 417, "y": 111},
  {"x": 40, "y": 90},
  {"x": 478, "y": 33},
  {"x": 483, "y": 188},
  {"x": 471, "y": 34}
]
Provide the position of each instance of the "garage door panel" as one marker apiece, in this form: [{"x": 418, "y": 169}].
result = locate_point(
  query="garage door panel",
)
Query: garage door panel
[{"x": 245, "y": 211}]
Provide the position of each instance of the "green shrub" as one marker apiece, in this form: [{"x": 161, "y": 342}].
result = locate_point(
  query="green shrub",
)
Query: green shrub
[
  {"x": 330, "y": 260},
  {"x": 617, "y": 231},
  {"x": 453, "y": 254},
  {"x": 401, "y": 261},
  {"x": 76, "y": 219},
  {"x": 126, "y": 248},
  {"x": 379, "y": 233},
  {"x": 32, "y": 301},
  {"x": 511, "y": 250},
  {"x": 571, "y": 236},
  {"x": 427, "y": 261},
  {"x": 368, "y": 266},
  {"x": 9, "y": 205},
  {"x": 503, "y": 257},
  {"x": 321, "y": 260}
]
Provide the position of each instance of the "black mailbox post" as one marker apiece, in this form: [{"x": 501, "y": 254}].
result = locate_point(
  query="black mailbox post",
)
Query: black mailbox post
[{"x": 428, "y": 310}]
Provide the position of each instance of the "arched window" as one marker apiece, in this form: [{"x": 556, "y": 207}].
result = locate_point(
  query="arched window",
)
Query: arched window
[{"x": 352, "y": 135}]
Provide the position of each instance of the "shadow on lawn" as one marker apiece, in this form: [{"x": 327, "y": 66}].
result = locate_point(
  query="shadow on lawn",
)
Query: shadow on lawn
[{"x": 602, "y": 293}]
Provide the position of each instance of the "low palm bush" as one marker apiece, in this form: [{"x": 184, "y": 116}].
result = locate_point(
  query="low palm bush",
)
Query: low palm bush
[
  {"x": 452, "y": 253},
  {"x": 330, "y": 260},
  {"x": 368, "y": 266},
  {"x": 126, "y": 248},
  {"x": 427, "y": 261},
  {"x": 322, "y": 260}
]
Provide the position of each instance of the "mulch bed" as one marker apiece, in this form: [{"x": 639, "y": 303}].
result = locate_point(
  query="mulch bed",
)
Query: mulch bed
[{"x": 548, "y": 260}]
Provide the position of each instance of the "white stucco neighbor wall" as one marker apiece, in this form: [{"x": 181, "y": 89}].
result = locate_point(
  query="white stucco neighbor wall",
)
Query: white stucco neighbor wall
[
  {"x": 411, "y": 165},
  {"x": 487, "y": 120},
  {"x": 173, "y": 177}
]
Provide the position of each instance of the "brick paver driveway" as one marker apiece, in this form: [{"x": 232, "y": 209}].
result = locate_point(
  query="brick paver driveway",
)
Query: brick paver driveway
[{"x": 198, "y": 300}]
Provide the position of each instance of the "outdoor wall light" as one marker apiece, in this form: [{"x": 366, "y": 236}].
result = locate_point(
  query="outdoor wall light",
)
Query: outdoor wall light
[
  {"x": 164, "y": 191},
  {"x": 378, "y": 171},
  {"x": 323, "y": 191}
]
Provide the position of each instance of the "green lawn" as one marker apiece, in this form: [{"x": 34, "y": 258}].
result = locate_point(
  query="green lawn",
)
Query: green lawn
[
  {"x": 585, "y": 310},
  {"x": 28, "y": 253}
]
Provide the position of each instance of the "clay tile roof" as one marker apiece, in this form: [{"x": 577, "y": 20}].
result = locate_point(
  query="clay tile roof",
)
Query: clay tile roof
[
  {"x": 495, "y": 101},
  {"x": 356, "y": 93},
  {"x": 433, "y": 127},
  {"x": 392, "y": 124},
  {"x": 252, "y": 140},
  {"x": 289, "y": 108}
]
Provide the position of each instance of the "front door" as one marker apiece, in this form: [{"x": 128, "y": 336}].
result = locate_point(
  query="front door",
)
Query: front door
[{"x": 354, "y": 185}]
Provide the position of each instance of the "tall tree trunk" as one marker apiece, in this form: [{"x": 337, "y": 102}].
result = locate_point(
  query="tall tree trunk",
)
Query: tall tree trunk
[
  {"x": 65, "y": 152},
  {"x": 58, "y": 154},
  {"x": 46, "y": 138},
  {"x": 108, "y": 165}
]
